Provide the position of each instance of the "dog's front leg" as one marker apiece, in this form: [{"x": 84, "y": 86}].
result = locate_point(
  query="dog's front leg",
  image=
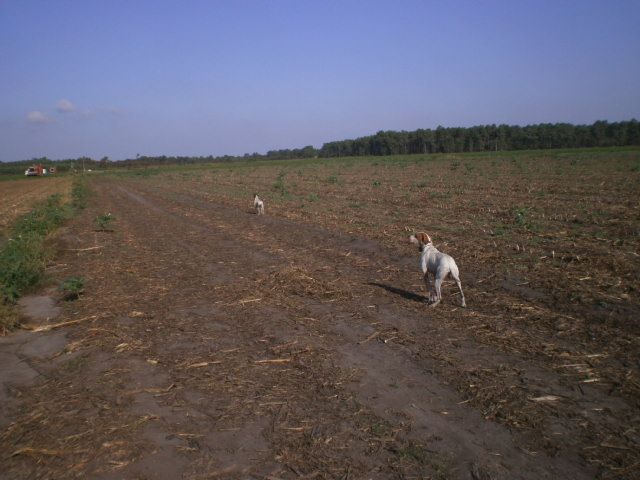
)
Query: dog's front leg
[
  {"x": 427, "y": 282},
  {"x": 438, "y": 287}
]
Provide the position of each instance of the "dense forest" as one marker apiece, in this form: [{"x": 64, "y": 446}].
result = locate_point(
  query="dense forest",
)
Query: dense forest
[
  {"x": 488, "y": 137},
  {"x": 425, "y": 141}
]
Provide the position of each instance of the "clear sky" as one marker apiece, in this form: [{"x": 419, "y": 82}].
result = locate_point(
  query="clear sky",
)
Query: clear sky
[{"x": 119, "y": 78}]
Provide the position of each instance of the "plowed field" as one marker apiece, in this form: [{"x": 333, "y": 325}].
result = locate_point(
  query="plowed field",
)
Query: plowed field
[{"x": 211, "y": 342}]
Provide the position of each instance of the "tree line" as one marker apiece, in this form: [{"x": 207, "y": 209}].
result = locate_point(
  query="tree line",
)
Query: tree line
[
  {"x": 481, "y": 138},
  {"x": 487, "y": 138}
]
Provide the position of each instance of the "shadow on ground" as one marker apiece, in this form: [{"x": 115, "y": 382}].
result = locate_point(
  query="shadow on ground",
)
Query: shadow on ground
[{"x": 403, "y": 293}]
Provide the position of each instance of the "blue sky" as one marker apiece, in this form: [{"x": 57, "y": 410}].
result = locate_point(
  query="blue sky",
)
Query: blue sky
[{"x": 120, "y": 78}]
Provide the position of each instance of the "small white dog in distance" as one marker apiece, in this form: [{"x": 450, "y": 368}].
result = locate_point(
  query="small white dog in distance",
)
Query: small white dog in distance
[
  {"x": 258, "y": 204},
  {"x": 433, "y": 262}
]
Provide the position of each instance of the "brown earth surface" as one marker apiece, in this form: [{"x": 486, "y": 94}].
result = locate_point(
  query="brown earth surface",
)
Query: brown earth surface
[
  {"x": 18, "y": 196},
  {"x": 215, "y": 343}
]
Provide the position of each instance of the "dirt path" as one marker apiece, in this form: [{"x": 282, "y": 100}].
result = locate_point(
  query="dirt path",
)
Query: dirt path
[{"x": 215, "y": 343}]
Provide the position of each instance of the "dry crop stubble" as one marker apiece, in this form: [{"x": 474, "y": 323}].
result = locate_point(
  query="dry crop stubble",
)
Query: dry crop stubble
[
  {"x": 312, "y": 317},
  {"x": 548, "y": 244}
]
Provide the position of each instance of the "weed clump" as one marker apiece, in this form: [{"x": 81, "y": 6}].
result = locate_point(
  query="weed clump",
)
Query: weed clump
[
  {"x": 71, "y": 288},
  {"x": 522, "y": 218},
  {"x": 103, "y": 221},
  {"x": 279, "y": 186}
]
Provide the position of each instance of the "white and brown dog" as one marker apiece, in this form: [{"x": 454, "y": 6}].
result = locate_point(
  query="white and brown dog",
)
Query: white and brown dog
[
  {"x": 258, "y": 204},
  {"x": 433, "y": 262}
]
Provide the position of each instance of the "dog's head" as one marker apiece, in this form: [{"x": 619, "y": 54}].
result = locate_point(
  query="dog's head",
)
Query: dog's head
[{"x": 420, "y": 239}]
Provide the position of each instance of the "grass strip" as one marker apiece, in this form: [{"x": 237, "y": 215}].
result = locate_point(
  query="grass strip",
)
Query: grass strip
[
  {"x": 24, "y": 255},
  {"x": 79, "y": 194}
]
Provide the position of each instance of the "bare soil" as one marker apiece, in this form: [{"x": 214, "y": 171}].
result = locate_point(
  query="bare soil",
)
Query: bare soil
[
  {"x": 215, "y": 343},
  {"x": 18, "y": 196}
]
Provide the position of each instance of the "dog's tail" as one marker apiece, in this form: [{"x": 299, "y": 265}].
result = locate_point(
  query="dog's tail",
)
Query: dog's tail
[{"x": 455, "y": 273}]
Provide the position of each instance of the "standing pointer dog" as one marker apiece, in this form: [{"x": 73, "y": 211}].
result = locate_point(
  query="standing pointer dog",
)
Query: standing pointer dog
[
  {"x": 258, "y": 204},
  {"x": 436, "y": 263}
]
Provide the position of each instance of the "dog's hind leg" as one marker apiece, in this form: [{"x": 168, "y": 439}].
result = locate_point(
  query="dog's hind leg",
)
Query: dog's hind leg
[
  {"x": 438, "y": 284},
  {"x": 457, "y": 279}
]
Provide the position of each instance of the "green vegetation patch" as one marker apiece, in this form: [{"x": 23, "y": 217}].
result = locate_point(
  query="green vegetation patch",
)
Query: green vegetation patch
[
  {"x": 79, "y": 194},
  {"x": 25, "y": 253},
  {"x": 279, "y": 185},
  {"x": 72, "y": 287},
  {"x": 103, "y": 222}
]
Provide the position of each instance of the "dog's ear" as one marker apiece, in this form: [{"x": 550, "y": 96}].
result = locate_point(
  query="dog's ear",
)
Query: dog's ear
[{"x": 423, "y": 238}]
